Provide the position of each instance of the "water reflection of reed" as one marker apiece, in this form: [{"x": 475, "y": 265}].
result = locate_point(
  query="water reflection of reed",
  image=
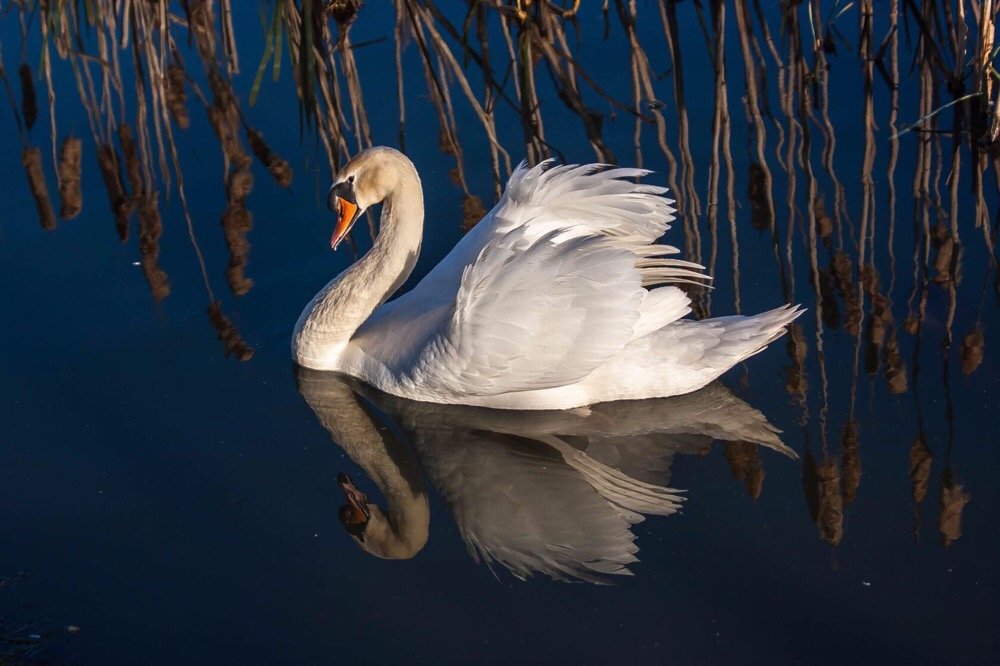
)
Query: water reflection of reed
[{"x": 499, "y": 61}]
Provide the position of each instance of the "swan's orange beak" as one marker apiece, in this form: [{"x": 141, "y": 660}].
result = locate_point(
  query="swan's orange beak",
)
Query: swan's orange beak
[
  {"x": 347, "y": 214},
  {"x": 354, "y": 514}
]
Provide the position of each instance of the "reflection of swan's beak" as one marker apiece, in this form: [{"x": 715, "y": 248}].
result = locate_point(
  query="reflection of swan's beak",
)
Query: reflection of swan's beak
[{"x": 353, "y": 515}]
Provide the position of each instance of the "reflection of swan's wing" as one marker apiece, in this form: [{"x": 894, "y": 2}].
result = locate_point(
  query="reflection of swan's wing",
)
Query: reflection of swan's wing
[
  {"x": 517, "y": 503},
  {"x": 645, "y": 458},
  {"x": 690, "y": 421}
]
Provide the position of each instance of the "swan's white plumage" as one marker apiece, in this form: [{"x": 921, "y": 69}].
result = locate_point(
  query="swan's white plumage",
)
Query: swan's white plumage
[{"x": 559, "y": 297}]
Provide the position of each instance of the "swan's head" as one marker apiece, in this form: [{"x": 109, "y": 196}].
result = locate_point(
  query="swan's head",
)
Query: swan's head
[
  {"x": 365, "y": 181},
  {"x": 372, "y": 530}
]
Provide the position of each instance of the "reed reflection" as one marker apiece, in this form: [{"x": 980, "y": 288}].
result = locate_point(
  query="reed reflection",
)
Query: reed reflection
[{"x": 553, "y": 493}]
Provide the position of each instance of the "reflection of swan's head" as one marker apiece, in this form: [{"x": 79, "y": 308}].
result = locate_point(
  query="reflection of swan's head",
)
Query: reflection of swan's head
[
  {"x": 369, "y": 178},
  {"x": 397, "y": 538}
]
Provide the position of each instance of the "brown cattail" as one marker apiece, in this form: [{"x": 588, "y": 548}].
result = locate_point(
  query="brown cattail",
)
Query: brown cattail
[
  {"x": 744, "y": 463},
  {"x": 824, "y": 223},
  {"x": 843, "y": 270},
  {"x": 29, "y": 101},
  {"x": 31, "y": 159},
  {"x": 343, "y": 11},
  {"x": 133, "y": 167},
  {"x": 472, "y": 211},
  {"x": 150, "y": 230},
  {"x": 952, "y": 501},
  {"x": 796, "y": 383},
  {"x": 230, "y": 337},
  {"x": 70, "y": 166},
  {"x": 942, "y": 264},
  {"x": 895, "y": 367},
  {"x": 971, "y": 352},
  {"x": 446, "y": 143},
  {"x": 176, "y": 96},
  {"x": 107, "y": 161},
  {"x": 236, "y": 223},
  {"x": 239, "y": 185},
  {"x": 279, "y": 168},
  {"x": 830, "y": 519}
]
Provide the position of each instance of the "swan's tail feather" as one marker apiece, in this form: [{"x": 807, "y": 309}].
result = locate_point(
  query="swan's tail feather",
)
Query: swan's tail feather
[{"x": 740, "y": 337}]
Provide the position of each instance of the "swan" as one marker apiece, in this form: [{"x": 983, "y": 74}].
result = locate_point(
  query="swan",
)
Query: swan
[
  {"x": 549, "y": 492},
  {"x": 558, "y": 298}
]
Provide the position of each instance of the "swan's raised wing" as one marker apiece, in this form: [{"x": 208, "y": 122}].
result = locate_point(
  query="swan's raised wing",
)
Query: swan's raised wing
[
  {"x": 555, "y": 281},
  {"x": 534, "y": 314}
]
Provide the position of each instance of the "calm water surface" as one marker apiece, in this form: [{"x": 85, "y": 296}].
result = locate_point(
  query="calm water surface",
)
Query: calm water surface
[{"x": 176, "y": 505}]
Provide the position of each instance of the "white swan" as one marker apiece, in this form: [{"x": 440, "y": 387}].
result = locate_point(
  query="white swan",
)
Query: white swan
[{"x": 560, "y": 297}]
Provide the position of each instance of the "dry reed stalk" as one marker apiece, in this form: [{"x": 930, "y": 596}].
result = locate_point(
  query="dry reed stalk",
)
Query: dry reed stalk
[
  {"x": 920, "y": 468},
  {"x": 31, "y": 160},
  {"x": 643, "y": 89},
  {"x": 524, "y": 76},
  {"x": 689, "y": 202},
  {"x": 564, "y": 75},
  {"x": 362, "y": 132},
  {"x": 720, "y": 144},
  {"x": 893, "y": 46},
  {"x": 850, "y": 461},
  {"x": 70, "y": 166},
  {"x": 485, "y": 118},
  {"x": 29, "y": 100},
  {"x": 759, "y": 181}
]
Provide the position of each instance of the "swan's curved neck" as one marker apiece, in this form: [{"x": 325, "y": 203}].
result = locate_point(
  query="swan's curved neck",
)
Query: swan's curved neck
[{"x": 329, "y": 321}]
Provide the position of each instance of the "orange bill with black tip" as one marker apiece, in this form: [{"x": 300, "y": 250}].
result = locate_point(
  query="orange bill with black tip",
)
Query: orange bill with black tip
[{"x": 347, "y": 213}]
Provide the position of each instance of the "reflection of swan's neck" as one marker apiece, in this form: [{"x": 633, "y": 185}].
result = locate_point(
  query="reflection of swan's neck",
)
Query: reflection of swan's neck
[
  {"x": 401, "y": 531},
  {"x": 333, "y": 316}
]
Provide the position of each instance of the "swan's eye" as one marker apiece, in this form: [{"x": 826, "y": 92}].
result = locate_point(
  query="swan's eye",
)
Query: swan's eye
[{"x": 350, "y": 179}]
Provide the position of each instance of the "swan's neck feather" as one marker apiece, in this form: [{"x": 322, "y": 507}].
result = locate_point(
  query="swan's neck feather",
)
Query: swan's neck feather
[{"x": 331, "y": 318}]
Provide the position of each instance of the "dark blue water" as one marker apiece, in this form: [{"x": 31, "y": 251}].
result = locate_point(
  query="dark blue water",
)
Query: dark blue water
[{"x": 177, "y": 505}]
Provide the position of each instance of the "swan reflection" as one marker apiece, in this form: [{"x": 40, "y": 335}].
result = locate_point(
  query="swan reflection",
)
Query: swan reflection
[{"x": 555, "y": 493}]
